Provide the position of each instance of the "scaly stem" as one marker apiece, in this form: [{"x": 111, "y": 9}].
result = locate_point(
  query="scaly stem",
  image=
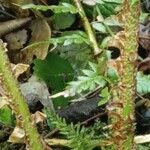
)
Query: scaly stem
[
  {"x": 123, "y": 94},
  {"x": 88, "y": 28},
  {"x": 17, "y": 102}
]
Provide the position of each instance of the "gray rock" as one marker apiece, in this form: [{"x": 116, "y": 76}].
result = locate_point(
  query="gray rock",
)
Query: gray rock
[{"x": 35, "y": 91}]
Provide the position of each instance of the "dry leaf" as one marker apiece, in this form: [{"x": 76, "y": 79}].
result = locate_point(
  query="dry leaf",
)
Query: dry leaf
[
  {"x": 8, "y": 26},
  {"x": 3, "y": 102},
  {"x": 18, "y": 11},
  {"x": 16, "y": 40},
  {"x": 2, "y": 91},
  {"x": 117, "y": 41},
  {"x": 17, "y": 136},
  {"x": 40, "y": 32},
  {"x": 144, "y": 37},
  {"x": 38, "y": 117},
  {"x": 19, "y": 69}
]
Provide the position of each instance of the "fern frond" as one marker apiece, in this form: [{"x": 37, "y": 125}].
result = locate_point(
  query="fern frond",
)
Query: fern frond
[
  {"x": 63, "y": 8},
  {"x": 88, "y": 81},
  {"x": 80, "y": 137},
  {"x": 78, "y": 37}
]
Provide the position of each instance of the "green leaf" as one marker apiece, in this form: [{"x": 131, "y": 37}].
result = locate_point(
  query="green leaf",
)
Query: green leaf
[
  {"x": 56, "y": 72},
  {"x": 88, "y": 72},
  {"x": 104, "y": 43},
  {"x": 66, "y": 20},
  {"x": 143, "y": 83},
  {"x": 102, "y": 61},
  {"x": 77, "y": 54},
  {"x": 63, "y": 8},
  {"x": 54, "y": 67},
  {"x": 93, "y": 66},
  {"x": 105, "y": 96},
  {"x": 133, "y": 2},
  {"x": 104, "y": 11},
  {"x": 99, "y": 27},
  {"x": 6, "y": 116},
  {"x": 143, "y": 16},
  {"x": 108, "y": 7},
  {"x": 78, "y": 136},
  {"x": 110, "y": 1},
  {"x": 112, "y": 21},
  {"x": 77, "y": 37},
  {"x": 112, "y": 75},
  {"x": 87, "y": 82}
]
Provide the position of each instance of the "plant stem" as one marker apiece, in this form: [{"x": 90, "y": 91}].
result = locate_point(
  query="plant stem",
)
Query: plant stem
[
  {"x": 88, "y": 28},
  {"x": 17, "y": 102},
  {"x": 123, "y": 93}
]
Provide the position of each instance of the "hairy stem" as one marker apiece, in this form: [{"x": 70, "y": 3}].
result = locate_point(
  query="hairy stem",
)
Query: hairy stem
[
  {"x": 123, "y": 94},
  {"x": 88, "y": 28},
  {"x": 17, "y": 102}
]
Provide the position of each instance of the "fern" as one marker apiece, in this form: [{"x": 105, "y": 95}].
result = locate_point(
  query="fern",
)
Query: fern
[
  {"x": 88, "y": 81},
  {"x": 63, "y": 8},
  {"x": 80, "y": 138},
  {"x": 78, "y": 54},
  {"x": 78, "y": 37}
]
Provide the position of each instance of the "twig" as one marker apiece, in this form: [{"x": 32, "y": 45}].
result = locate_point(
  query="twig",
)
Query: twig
[
  {"x": 142, "y": 101},
  {"x": 92, "y": 118},
  {"x": 52, "y": 133},
  {"x": 88, "y": 28},
  {"x": 62, "y": 142},
  {"x": 63, "y": 93},
  {"x": 57, "y": 142},
  {"x": 67, "y": 93},
  {"x": 142, "y": 139},
  {"x": 66, "y": 143},
  {"x": 8, "y": 26}
]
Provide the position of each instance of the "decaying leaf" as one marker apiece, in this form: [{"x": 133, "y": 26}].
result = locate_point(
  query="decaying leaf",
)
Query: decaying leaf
[
  {"x": 116, "y": 43},
  {"x": 8, "y": 26},
  {"x": 2, "y": 91},
  {"x": 40, "y": 32},
  {"x": 144, "y": 37},
  {"x": 18, "y": 11},
  {"x": 38, "y": 117},
  {"x": 117, "y": 40},
  {"x": 19, "y": 69},
  {"x": 17, "y": 136},
  {"x": 16, "y": 40},
  {"x": 3, "y": 102}
]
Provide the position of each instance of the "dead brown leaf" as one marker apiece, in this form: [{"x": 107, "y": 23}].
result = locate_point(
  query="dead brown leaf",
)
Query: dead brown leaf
[
  {"x": 3, "y": 102},
  {"x": 144, "y": 37},
  {"x": 38, "y": 117},
  {"x": 40, "y": 32},
  {"x": 17, "y": 136},
  {"x": 19, "y": 69},
  {"x": 16, "y": 40}
]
